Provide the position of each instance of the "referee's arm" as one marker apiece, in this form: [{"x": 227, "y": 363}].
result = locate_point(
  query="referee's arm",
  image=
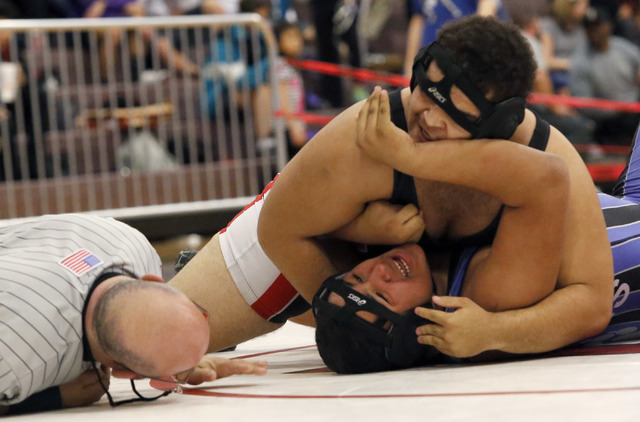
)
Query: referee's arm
[
  {"x": 81, "y": 391},
  {"x": 48, "y": 399}
]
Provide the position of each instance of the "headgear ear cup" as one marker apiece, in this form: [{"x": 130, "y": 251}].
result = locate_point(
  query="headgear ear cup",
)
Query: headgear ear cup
[
  {"x": 505, "y": 119},
  {"x": 405, "y": 351}
]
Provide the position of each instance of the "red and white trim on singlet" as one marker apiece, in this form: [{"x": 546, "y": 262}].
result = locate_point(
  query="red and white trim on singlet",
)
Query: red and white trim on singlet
[{"x": 264, "y": 288}]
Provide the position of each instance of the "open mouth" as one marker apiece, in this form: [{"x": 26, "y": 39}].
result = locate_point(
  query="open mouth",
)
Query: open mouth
[{"x": 402, "y": 266}]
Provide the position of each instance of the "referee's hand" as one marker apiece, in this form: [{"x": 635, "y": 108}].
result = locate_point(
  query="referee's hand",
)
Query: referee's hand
[{"x": 84, "y": 390}]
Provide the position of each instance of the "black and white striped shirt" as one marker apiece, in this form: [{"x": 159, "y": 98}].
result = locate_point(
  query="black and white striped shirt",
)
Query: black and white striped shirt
[{"x": 46, "y": 269}]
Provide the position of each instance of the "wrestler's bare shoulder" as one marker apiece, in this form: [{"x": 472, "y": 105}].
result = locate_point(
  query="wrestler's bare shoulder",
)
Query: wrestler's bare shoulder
[{"x": 333, "y": 157}]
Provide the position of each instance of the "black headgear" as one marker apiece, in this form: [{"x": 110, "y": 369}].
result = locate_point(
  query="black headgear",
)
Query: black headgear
[
  {"x": 497, "y": 120},
  {"x": 395, "y": 347}
]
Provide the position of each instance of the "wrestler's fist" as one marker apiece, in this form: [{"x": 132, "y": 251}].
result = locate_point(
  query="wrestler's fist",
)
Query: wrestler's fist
[
  {"x": 383, "y": 223},
  {"x": 393, "y": 224}
]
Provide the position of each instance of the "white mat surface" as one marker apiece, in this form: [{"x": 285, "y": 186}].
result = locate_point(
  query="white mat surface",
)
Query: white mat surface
[{"x": 576, "y": 388}]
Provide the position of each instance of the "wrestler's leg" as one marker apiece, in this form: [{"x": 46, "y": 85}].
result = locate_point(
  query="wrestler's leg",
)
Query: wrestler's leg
[
  {"x": 628, "y": 185},
  {"x": 305, "y": 319},
  {"x": 206, "y": 280},
  {"x": 622, "y": 215}
]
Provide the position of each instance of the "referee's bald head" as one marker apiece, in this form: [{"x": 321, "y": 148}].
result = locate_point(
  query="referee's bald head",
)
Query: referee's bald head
[{"x": 146, "y": 328}]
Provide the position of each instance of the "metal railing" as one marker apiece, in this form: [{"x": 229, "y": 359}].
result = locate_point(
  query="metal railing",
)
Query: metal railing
[{"x": 137, "y": 116}]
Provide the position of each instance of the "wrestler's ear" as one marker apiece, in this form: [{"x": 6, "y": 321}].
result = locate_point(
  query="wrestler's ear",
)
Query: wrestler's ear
[{"x": 152, "y": 277}]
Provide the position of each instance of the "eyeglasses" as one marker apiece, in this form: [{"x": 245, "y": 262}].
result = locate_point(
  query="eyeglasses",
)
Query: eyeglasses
[
  {"x": 176, "y": 381},
  {"x": 140, "y": 397}
]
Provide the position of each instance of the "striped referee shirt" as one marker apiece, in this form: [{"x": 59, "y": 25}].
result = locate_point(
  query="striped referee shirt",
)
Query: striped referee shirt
[{"x": 46, "y": 269}]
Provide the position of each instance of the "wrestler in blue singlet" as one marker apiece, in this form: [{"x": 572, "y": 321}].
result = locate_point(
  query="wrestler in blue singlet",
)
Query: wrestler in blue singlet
[{"x": 622, "y": 215}]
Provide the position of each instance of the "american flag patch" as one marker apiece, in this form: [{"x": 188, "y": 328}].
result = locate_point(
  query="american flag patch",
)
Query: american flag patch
[{"x": 80, "y": 262}]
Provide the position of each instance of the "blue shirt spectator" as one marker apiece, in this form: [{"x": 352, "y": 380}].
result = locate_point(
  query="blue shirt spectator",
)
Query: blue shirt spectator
[{"x": 428, "y": 16}]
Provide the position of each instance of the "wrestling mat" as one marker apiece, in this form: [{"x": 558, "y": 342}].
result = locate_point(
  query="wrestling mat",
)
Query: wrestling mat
[{"x": 599, "y": 384}]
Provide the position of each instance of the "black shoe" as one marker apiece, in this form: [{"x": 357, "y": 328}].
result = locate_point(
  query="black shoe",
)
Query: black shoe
[
  {"x": 183, "y": 258},
  {"x": 229, "y": 349}
]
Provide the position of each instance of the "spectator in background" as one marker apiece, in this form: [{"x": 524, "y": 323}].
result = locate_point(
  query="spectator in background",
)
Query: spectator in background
[
  {"x": 23, "y": 107},
  {"x": 33, "y": 9},
  {"x": 577, "y": 128},
  {"x": 611, "y": 6},
  {"x": 609, "y": 69},
  {"x": 100, "y": 8},
  {"x": 236, "y": 62},
  {"x": 111, "y": 39},
  {"x": 291, "y": 88},
  {"x": 562, "y": 35},
  {"x": 182, "y": 7},
  {"x": 629, "y": 21},
  {"x": 230, "y": 6},
  {"x": 426, "y": 17},
  {"x": 283, "y": 10},
  {"x": 539, "y": 7},
  {"x": 335, "y": 21}
]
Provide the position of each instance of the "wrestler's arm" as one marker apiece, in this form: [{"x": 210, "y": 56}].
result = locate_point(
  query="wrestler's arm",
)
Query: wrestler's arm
[
  {"x": 326, "y": 185},
  {"x": 580, "y": 306},
  {"x": 532, "y": 184}
]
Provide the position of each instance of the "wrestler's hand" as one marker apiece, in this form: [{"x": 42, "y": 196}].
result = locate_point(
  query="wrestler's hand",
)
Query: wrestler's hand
[
  {"x": 463, "y": 333},
  {"x": 210, "y": 368},
  {"x": 85, "y": 389},
  {"x": 376, "y": 134},
  {"x": 383, "y": 223},
  {"x": 393, "y": 224}
]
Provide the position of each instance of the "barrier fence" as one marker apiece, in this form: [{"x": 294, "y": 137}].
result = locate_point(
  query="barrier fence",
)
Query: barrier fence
[
  {"x": 136, "y": 116},
  {"x": 366, "y": 75}
]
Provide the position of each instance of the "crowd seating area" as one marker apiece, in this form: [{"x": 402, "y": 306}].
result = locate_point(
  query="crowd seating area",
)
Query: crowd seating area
[{"x": 83, "y": 133}]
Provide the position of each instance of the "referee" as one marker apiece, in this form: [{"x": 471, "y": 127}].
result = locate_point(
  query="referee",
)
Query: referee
[{"x": 76, "y": 303}]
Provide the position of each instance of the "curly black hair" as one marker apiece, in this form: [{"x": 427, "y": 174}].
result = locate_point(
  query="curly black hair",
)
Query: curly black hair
[{"x": 494, "y": 55}]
